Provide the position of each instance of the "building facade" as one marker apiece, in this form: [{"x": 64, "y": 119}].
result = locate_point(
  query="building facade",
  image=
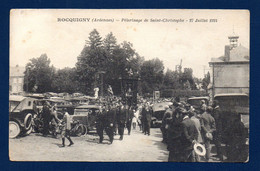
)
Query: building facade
[
  {"x": 230, "y": 73},
  {"x": 16, "y": 80}
]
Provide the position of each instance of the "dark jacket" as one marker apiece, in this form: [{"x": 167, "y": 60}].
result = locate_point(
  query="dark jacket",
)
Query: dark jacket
[
  {"x": 218, "y": 119},
  {"x": 207, "y": 123},
  {"x": 46, "y": 112},
  {"x": 174, "y": 134},
  {"x": 189, "y": 133},
  {"x": 110, "y": 116},
  {"x": 167, "y": 115},
  {"x": 121, "y": 115},
  {"x": 147, "y": 115}
]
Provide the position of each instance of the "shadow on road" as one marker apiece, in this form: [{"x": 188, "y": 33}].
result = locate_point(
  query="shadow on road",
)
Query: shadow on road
[
  {"x": 161, "y": 146},
  {"x": 163, "y": 151}
]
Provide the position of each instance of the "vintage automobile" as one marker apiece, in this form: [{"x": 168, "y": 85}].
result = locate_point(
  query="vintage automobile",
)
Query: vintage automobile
[
  {"x": 233, "y": 106},
  {"x": 86, "y": 115},
  {"x": 195, "y": 101},
  {"x": 21, "y": 111},
  {"x": 158, "y": 112}
]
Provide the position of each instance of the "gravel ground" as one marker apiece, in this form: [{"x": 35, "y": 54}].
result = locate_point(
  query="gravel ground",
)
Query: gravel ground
[{"x": 135, "y": 147}]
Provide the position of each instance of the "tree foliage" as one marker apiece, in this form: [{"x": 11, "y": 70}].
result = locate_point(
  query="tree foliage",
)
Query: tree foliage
[
  {"x": 115, "y": 60},
  {"x": 65, "y": 81},
  {"x": 39, "y": 74},
  {"x": 152, "y": 75}
]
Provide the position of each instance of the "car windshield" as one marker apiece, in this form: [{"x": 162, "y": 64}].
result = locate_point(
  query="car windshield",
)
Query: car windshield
[
  {"x": 194, "y": 102},
  {"x": 229, "y": 102}
]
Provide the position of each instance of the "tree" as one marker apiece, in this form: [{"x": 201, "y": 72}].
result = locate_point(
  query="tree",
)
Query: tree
[
  {"x": 39, "y": 74},
  {"x": 91, "y": 60},
  {"x": 95, "y": 40},
  {"x": 152, "y": 75},
  {"x": 186, "y": 79},
  {"x": 110, "y": 43},
  {"x": 206, "y": 81},
  {"x": 171, "y": 80},
  {"x": 65, "y": 81}
]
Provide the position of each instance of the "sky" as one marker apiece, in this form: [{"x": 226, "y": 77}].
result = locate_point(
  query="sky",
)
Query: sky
[{"x": 37, "y": 31}]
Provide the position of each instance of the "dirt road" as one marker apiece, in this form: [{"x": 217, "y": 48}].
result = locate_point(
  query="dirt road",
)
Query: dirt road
[{"x": 134, "y": 147}]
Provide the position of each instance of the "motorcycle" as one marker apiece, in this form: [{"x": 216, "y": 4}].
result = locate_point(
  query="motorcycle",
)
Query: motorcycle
[{"x": 38, "y": 126}]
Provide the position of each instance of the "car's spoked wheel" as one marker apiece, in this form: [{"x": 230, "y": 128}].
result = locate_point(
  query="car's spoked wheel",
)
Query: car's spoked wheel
[
  {"x": 84, "y": 130},
  {"x": 14, "y": 129},
  {"x": 28, "y": 121},
  {"x": 29, "y": 131},
  {"x": 79, "y": 130}
]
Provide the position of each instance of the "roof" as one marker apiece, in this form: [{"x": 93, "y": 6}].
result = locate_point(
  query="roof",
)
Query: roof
[
  {"x": 231, "y": 94},
  {"x": 199, "y": 98},
  {"x": 16, "y": 98},
  {"x": 88, "y": 107},
  {"x": 17, "y": 71},
  {"x": 238, "y": 54}
]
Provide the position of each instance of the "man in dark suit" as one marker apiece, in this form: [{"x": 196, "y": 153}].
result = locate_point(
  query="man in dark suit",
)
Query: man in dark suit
[
  {"x": 188, "y": 138},
  {"x": 174, "y": 133},
  {"x": 100, "y": 123},
  {"x": 147, "y": 114},
  {"x": 217, "y": 134},
  {"x": 46, "y": 116},
  {"x": 109, "y": 121},
  {"x": 130, "y": 115},
  {"x": 121, "y": 120},
  {"x": 207, "y": 127},
  {"x": 167, "y": 115}
]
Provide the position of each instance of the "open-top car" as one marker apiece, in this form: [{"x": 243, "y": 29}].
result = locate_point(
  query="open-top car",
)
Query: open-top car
[
  {"x": 86, "y": 115},
  {"x": 196, "y": 101},
  {"x": 21, "y": 111},
  {"x": 158, "y": 112}
]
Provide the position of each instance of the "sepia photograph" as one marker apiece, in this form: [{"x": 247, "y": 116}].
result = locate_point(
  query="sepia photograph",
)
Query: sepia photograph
[{"x": 129, "y": 85}]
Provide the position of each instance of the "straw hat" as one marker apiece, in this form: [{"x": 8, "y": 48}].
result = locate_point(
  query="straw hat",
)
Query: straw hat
[{"x": 199, "y": 149}]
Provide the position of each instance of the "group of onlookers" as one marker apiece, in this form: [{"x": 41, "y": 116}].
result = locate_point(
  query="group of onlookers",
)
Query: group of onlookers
[{"x": 183, "y": 126}]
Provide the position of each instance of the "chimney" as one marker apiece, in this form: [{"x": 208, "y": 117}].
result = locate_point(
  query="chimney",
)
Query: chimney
[{"x": 227, "y": 53}]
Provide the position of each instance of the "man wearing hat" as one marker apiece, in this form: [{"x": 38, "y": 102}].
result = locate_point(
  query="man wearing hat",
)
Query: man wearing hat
[
  {"x": 188, "y": 138},
  {"x": 174, "y": 136},
  {"x": 217, "y": 134},
  {"x": 66, "y": 128},
  {"x": 121, "y": 119},
  {"x": 130, "y": 115},
  {"x": 194, "y": 116},
  {"x": 167, "y": 115},
  {"x": 46, "y": 116},
  {"x": 207, "y": 126},
  {"x": 100, "y": 123},
  {"x": 147, "y": 114},
  {"x": 109, "y": 121},
  {"x": 203, "y": 106}
]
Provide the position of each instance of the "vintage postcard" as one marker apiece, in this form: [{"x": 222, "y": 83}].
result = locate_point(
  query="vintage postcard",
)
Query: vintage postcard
[{"x": 129, "y": 85}]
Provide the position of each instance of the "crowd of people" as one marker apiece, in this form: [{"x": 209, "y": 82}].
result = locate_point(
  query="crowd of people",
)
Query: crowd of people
[{"x": 182, "y": 126}]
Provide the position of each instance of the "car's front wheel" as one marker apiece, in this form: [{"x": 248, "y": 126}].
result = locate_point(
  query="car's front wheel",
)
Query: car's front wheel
[
  {"x": 14, "y": 129},
  {"x": 28, "y": 121},
  {"x": 79, "y": 130},
  {"x": 29, "y": 131},
  {"x": 85, "y": 130}
]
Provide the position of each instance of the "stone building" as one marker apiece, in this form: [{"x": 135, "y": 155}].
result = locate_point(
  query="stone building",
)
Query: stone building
[
  {"x": 230, "y": 73},
  {"x": 16, "y": 79}
]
